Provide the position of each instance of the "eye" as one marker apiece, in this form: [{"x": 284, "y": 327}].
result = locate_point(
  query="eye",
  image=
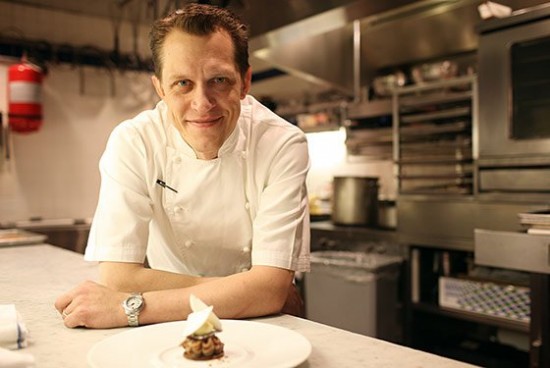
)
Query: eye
[
  {"x": 182, "y": 83},
  {"x": 222, "y": 83},
  {"x": 219, "y": 80},
  {"x": 182, "y": 86}
]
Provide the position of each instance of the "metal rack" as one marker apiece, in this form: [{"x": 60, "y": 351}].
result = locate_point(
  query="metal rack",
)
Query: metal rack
[
  {"x": 433, "y": 146},
  {"x": 369, "y": 131}
]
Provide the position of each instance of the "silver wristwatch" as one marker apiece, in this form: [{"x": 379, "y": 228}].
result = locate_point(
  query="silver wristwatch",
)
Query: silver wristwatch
[{"x": 132, "y": 306}]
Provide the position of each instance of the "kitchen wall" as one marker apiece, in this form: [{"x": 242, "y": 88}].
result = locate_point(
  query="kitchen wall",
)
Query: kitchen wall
[{"x": 53, "y": 173}]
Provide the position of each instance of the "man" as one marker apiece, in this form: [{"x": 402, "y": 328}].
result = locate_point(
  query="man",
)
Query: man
[{"x": 209, "y": 186}]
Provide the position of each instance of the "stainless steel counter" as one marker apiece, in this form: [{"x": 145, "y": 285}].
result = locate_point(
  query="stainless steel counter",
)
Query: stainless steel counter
[
  {"x": 33, "y": 276},
  {"x": 327, "y": 236}
]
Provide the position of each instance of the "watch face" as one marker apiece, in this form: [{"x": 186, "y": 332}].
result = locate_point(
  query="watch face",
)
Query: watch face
[
  {"x": 134, "y": 302},
  {"x": 132, "y": 306}
]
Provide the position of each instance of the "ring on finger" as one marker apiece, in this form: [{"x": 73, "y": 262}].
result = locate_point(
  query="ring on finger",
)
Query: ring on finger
[{"x": 65, "y": 314}]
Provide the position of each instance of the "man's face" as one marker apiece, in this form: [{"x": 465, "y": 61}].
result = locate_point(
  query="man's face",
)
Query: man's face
[{"x": 202, "y": 88}]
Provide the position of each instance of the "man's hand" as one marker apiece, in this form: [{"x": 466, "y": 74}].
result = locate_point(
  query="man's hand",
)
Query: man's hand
[{"x": 92, "y": 305}]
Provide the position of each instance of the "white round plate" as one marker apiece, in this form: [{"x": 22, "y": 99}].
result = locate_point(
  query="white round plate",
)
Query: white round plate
[{"x": 247, "y": 344}]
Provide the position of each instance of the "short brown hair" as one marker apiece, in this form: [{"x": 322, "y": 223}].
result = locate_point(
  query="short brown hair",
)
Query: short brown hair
[{"x": 200, "y": 20}]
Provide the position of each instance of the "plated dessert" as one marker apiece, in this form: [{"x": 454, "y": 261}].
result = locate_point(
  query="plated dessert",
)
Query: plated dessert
[{"x": 201, "y": 342}]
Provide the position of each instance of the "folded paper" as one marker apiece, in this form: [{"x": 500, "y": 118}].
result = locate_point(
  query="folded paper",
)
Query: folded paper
[
  {"x": 15, "y": 359},
  {"x": 13, "y": 332}
]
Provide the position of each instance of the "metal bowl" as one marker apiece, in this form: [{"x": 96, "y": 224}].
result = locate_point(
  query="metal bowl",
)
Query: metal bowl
[
  {"x": 433, "y": 72},
  {"x": 384, "y": 85}
]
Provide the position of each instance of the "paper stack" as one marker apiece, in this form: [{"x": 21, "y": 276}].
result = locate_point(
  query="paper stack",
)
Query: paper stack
[{"x": 537, "y": 222}]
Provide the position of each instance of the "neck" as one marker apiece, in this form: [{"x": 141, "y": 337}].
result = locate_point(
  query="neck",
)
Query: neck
[
  {"x": 208, "y": 155},
  {"x": 203, "y": 152}
]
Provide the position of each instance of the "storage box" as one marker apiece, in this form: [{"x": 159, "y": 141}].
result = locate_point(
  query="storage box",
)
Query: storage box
[{"x": 487, "y": 298}]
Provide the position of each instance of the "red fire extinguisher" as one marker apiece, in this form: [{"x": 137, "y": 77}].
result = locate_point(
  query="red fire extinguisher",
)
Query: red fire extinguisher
[{"x": 25, "y": 97}]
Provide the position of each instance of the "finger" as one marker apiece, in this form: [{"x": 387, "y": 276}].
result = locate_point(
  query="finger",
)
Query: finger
[
  {"x": 71, "y": 322},
  {"x": 65, "y": 299},
  {"x": 72, "y": 319},
  {"x": 62, "y": 302},
  {"x": 65, "y": 312}
]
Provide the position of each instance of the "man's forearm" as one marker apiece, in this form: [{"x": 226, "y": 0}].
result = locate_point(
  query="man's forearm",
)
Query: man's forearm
[
  {"x": 249, "y": 294},
  {"x": 133, "y": 277},
  {"x": 260, "y": 291}
]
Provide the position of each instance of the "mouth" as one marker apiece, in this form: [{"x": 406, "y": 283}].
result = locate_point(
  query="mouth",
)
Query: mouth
[{"x": 205, "y": 122}]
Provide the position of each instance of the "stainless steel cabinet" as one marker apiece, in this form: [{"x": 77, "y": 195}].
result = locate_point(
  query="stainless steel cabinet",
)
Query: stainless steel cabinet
[
  {"x": 516, "y": 251},
  {"x": 529, "y": 253}
]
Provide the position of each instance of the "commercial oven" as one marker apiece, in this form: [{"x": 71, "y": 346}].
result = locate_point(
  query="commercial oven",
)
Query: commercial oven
[
  {"x": 514, "y": 153},
  {"x": 514, "y": 103}
]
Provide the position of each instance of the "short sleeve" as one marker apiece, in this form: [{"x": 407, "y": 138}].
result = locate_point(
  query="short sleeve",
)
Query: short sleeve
[
  {"x": 119, "y": 229},
  {"x": 281, "y": 234}
]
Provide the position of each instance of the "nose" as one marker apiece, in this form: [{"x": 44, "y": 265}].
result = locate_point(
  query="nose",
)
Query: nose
[{"x": 202, "y": 99}]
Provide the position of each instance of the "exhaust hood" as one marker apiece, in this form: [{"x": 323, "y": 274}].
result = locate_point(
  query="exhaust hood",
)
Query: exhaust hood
[{"x": 344, "y": 48}]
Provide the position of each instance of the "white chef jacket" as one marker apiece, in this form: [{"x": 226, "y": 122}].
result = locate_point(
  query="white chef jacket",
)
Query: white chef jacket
[{"x": 246, "y": 207}]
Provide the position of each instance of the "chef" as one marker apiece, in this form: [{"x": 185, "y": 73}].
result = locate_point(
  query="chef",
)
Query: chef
[{"x": 204, "y": 194}]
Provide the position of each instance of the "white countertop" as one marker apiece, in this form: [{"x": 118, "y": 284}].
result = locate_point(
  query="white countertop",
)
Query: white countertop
[{"x": 33, "y": 276}]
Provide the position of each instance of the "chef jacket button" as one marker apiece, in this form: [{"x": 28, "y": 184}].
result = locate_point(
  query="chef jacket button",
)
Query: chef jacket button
[
  {"x": 178, "y": 209},
  {"x": 247, "y": 205},
  {"x": 177, "y": 160},
  {"x": 246, "y": 249},
  {"x": 188, "y": 243},
  {"x": 243, "y": 154}
]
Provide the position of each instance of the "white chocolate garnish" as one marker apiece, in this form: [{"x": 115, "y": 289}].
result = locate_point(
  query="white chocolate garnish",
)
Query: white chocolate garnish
[{"x": 202, "y": 320}]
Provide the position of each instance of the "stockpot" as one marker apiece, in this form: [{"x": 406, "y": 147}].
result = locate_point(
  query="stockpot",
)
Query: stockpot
[{"x": 355, "y": 200}]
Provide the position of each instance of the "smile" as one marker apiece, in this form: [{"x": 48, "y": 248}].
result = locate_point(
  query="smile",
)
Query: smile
[{"x": 205, "y": 122}]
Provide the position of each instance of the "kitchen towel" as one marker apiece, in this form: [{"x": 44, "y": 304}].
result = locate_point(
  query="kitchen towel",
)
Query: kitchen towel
[
  {"x": 13, "y": 332},
  {"x": 15, "y": 359}
]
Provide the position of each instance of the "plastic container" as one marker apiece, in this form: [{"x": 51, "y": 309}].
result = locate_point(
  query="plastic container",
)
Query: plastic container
[{"x": 355, "y": 291}]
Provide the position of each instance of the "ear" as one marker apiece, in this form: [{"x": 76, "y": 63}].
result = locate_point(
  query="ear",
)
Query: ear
[
  {"x": 247, "y": 82},
  {"x": 158, "y": 86}
]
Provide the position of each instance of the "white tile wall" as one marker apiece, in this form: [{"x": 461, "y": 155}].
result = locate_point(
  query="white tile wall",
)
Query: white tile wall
[{"x": 53, "y": 172}]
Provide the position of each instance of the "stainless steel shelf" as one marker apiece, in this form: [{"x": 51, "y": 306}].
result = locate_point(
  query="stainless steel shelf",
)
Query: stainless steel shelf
[
  {"x": 437, "y": 115},
  {"x": 437, "y": 98},
  {"x": 433, "y": 125}
]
